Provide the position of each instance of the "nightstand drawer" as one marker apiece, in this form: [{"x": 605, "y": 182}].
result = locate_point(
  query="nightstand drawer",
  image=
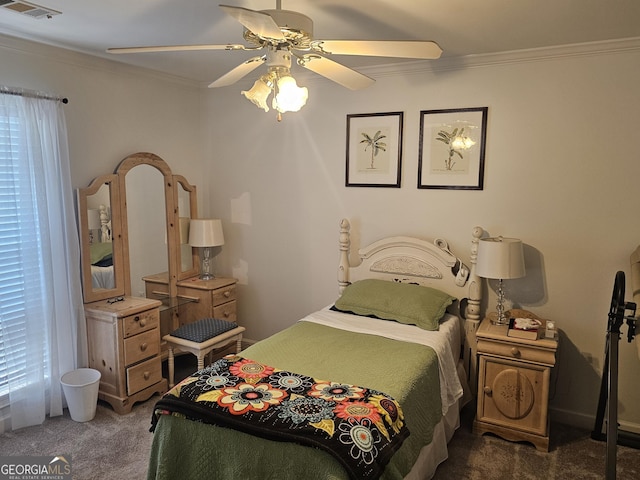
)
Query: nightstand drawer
[
  {"x": 517, "y": 351},
  {"x": 140, "y": 322},
  {"x": 141, "y": 346},
  {"x": 226, "y": 311},
  {"x": 144, "y": 375},
  {"x": 223, "y": 295}
]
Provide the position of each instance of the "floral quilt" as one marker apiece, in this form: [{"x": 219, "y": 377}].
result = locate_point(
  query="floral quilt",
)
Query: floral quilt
[{"x": 361, "y": 427}]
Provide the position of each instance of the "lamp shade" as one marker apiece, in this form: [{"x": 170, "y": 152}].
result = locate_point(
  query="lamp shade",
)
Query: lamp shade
[
  {"x": 500, "y": 258},
  {"x": 206, "y": 232},
  {"x": 259, "y": 92},
  {"x": 290, "y": 97}
]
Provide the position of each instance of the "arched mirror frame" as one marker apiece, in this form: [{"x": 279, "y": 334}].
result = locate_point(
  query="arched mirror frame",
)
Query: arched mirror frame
[
  {"x": 151, "y": 159},
  {"x": 119, "y": 219},
  {"x": 180, "y": 182},
  {"x": 92, "y": 294}
]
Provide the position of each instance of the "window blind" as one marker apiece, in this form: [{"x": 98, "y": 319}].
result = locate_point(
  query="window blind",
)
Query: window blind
[{"x": 12, "y": 283}]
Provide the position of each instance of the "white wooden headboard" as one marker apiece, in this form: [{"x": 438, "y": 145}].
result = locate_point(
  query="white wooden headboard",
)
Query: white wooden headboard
[{"x": 414, "y": 260}]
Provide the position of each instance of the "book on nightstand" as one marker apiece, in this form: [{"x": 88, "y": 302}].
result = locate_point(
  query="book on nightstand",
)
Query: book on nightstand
[{"x": 527, "y": 328}]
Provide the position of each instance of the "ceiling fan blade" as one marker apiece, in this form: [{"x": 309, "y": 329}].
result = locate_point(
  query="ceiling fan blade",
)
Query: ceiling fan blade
[
  {"x": 175, "y": 48},
  {"x": 379, "y": 48},
  {"x": 238, "y": 72},
  {"x": 345, "y": 76},
  {"x": 258, "y": 22}
]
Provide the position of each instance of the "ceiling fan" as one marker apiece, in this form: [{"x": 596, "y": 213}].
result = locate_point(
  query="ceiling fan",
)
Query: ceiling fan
[{"x": 284, "y": 35}]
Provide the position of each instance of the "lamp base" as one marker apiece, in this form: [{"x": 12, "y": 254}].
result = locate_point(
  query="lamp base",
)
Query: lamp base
[
  {"x": 494, "y": 318},
  {"x": 500, "y": 318},
  {"x": 205, "y": 271}
]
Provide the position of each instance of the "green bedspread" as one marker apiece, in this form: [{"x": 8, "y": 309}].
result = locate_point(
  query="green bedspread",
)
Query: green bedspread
[{"x": 184, "y": 449}]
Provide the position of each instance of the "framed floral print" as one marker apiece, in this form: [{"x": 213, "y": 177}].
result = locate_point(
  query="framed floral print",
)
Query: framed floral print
[
  {"x": 452, "y": 148},
  {"x": 374, "y": 150}
]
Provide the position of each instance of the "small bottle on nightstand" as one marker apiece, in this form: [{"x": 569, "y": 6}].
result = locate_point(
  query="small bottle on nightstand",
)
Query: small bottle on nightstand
[{"x": 550, "y": 331}]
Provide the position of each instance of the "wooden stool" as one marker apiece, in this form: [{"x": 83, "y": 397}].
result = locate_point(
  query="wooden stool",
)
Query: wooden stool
[{"x": 200, "y": 337}]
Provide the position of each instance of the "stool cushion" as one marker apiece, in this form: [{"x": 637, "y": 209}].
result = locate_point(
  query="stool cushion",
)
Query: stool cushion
[{"x": 204, "y": 329}]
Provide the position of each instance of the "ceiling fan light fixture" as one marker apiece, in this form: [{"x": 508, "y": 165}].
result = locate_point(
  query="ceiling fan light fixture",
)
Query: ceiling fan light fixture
[
  {"x": 286, "y": 35},
  {"x": 260, "y": 91},
  {"x": 290, "y": 97}
]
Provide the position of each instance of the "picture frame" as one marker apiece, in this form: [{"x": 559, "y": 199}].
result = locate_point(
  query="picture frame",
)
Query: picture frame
[
  {"x": 452, "y": 148},
  {"x": 374, "y": 150}
]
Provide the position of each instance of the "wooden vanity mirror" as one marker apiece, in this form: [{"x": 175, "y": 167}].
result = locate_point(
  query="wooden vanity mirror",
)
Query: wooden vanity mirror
[
  {"x": 149, "y": 210},
  {"x": 101, "y": 239},
  {"x": 187, "y": 258}
]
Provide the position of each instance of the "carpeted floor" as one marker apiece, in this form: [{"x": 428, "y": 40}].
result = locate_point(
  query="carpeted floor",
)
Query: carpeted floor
[
  {"x": 573, "y": 455},
  {"x": 110, "y": 446},
  {"x": 113, "y": 446}
]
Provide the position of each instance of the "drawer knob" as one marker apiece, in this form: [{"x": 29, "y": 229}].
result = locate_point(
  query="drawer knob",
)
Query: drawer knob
[
  {"x": 226, "y": 314},
  {"x": 146, "y": 375},
  {"x": 488, "y": 390},
  {"x": 515, "y": 352},
  {"x": 143, "y": 346},
  {"x": 143, "y": 322},
  {"x": 227, "y": 294}
]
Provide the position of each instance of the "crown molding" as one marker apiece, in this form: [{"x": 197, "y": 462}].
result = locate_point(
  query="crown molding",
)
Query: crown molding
[
  {"x": 510, "y": 57},
  {"x": 79, "y": 59}
]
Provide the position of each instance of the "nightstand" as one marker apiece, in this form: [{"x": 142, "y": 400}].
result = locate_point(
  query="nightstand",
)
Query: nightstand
[
  {"x": 513, "y": 385},
  {"x": 124, "y": 345}
]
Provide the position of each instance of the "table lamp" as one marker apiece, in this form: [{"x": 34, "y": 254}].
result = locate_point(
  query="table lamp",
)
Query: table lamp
[
  {"x": 206, "y": 233},
  {"x": 500, "y": 258}
]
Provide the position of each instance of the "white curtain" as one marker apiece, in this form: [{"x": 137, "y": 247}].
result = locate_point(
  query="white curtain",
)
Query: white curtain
[{"x": 48, "y": 249}]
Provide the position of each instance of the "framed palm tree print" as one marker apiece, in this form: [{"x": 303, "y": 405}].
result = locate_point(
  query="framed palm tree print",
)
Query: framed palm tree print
[
  {"x": 374, "y": 150},
  {"x": 452, "y": 145}
]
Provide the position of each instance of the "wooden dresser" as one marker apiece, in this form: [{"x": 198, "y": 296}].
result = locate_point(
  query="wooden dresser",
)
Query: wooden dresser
[
  {"x": 513, "y": 385},
  {"x": 124, "y": 345},
  {"x": 197, "y": 299},
  {"x": 216, "y": 298}
]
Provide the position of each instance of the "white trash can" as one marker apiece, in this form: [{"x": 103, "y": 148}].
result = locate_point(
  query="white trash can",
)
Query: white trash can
[{"x": 81, "y": 391}]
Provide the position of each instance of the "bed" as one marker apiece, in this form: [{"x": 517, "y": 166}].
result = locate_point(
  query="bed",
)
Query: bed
[
  {"x": 102, "y": 275},
  {"x": 395, "y": 338}
]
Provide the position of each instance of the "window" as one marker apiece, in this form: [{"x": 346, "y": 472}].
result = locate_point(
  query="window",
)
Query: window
[
  {"x": 13, "y": 310},
  {"x": 42, "y": 325}
]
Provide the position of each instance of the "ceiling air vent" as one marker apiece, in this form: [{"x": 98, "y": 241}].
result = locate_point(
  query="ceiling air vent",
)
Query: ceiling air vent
[{"x": 29, "y": 9}]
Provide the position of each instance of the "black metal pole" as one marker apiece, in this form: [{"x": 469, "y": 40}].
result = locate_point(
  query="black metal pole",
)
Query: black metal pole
[{"x": 612, "y": 416}]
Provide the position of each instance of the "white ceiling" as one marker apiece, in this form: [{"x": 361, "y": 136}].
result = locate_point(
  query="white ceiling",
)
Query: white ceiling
[{"x": 460, "y": 27}]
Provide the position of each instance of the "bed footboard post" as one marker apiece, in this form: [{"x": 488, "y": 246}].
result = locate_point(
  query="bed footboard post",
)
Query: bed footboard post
[
  {"x": 475, "y": 293},
  {"x": 345, "y": 244},
  {"x": 473, "y": 313}
]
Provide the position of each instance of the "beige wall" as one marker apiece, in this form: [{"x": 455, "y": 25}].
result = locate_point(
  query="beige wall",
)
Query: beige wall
[
  {"x": 113, "y": 110},
  {"x": 561, "y": 167}
]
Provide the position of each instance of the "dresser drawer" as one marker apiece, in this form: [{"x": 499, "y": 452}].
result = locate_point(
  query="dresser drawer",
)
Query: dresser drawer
[
  {"x": 140, "y": 322},
  {"x": 226, "y": 311},
  {"x": 142, "y": 346},
  {"x": 517, "y": 351},
  {"x": 223, "y": 295},
  {"x": 144, "y": 375}
]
